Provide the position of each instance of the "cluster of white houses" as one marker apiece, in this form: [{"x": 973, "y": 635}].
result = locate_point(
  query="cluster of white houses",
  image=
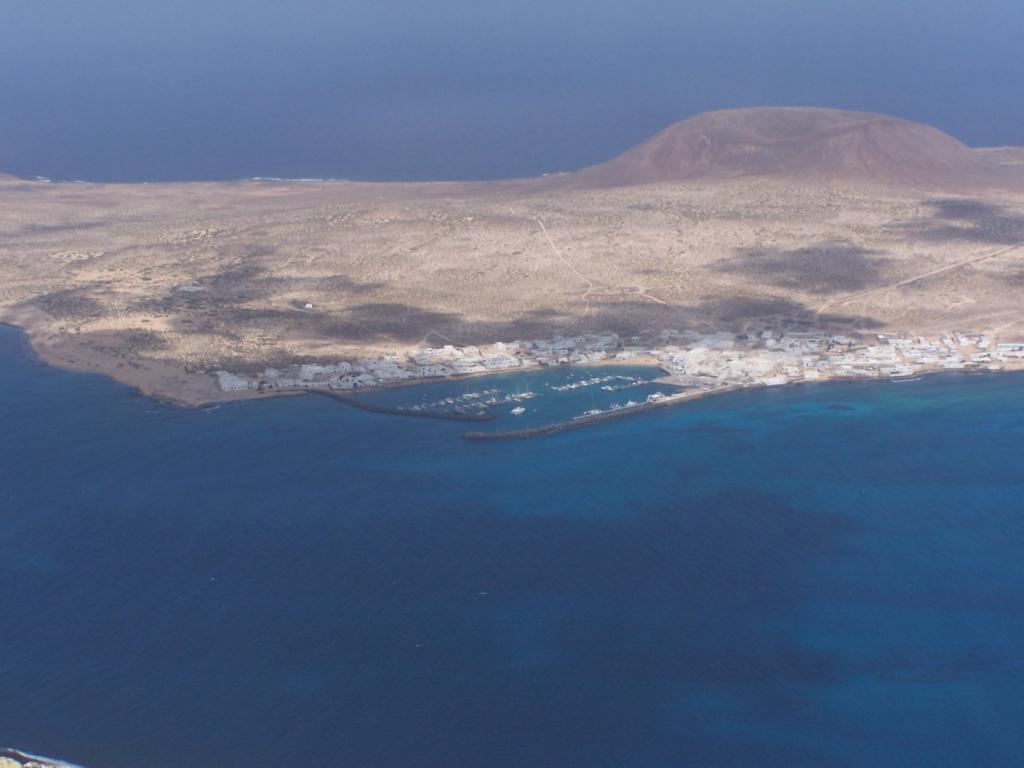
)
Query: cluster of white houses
[
  {"x": 775, "y": 359},
  {"x": 690, "y": 358}
]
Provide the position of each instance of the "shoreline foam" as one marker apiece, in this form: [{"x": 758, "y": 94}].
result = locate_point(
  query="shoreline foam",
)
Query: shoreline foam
[{"x": 27, "y": 758}]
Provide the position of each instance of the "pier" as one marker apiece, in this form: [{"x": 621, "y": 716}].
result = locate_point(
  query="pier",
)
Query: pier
[{"x": 597, "y": 418}]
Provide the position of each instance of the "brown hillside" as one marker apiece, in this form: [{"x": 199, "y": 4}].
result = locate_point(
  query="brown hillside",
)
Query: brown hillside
[{"x": 819, "y": 144}]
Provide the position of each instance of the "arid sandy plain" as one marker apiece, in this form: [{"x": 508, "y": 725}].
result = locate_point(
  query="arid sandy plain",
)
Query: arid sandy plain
[{"x": 158, "y": 285}]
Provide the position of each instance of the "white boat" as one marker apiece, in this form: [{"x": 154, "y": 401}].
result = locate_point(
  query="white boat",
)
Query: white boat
[{"x": 518, "y": 410}]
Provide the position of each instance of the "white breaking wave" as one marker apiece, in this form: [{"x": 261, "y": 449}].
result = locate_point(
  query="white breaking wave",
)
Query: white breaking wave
[{"x": 47, "y": 761}]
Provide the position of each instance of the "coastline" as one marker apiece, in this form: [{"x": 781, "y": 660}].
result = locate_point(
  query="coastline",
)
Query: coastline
[
  {"x": 168, "y": 383},
  {"x": 48, "y": 343}
]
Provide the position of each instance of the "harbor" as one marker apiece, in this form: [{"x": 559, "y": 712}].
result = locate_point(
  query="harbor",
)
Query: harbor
[
  {"x": 687, "y": 358},
  {"x": 565, "y": 383}
]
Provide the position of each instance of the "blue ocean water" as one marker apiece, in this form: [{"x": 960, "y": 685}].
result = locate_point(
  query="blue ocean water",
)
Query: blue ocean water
[{"x": 827, "y": 575}]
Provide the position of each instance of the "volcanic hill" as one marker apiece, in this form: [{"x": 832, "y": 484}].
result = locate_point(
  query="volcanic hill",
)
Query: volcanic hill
[{"x": 805, "y": 143}]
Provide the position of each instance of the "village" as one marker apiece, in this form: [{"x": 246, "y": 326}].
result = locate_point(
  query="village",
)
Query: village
[{"x": 689, "y": 359}]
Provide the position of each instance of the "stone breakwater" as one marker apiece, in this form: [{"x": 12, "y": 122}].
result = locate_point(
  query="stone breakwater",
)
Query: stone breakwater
[
  {"x": 362, "y": 405},
  {"x": 596, "y": 418}
]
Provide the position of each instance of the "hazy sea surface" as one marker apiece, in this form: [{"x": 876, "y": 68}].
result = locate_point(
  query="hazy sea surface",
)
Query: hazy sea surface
[
  {"x": 112, "y": 90},
  {"x": 826, "y": 575}
]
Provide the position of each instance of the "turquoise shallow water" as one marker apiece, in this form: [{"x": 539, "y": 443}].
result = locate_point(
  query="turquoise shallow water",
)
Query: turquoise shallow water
[{"x": 826, "y": 575}]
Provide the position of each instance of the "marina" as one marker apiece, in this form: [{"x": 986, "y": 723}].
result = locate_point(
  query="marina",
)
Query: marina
[
  {"x": 526, "y": 400},
  {"x": 547, "y": 394}
]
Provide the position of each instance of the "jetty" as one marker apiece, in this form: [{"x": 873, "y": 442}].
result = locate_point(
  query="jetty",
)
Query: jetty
[
  {"x": 598, "y": 418},
  {"x": 357, "y": 402}
]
